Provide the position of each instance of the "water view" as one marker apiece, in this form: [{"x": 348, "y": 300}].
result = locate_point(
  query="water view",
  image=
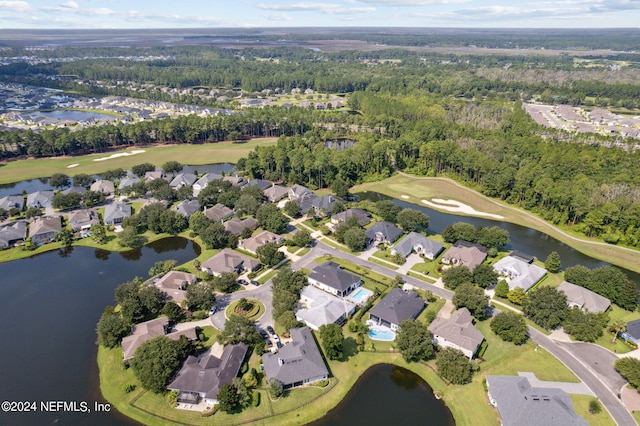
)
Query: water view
[{"x": 389, "y": 395}]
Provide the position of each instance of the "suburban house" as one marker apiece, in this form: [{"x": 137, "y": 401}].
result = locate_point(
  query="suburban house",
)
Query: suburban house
[
  {"x": 218, "y": 212},
  {"x": 383, "y": 233},
  {"x": 12, "y": 233},
  {"x": 235, "y": 180},
  {"x": 632, "y": 331},
  {"x": 520, "y": 404},
  {"x": 147, "y": 330},
  {"x": 395, "y": 307},
  {"x": 260, "y": 183},
  {"x": 252, "y": 244},
  {"x": 417, "y": 243},
  {"x": 40, "y": 199},
  {"x": 104, "y": 186},
  {"x": 75, "y": 189},
  {"x": 321, "y": 206},
  {"x": 275, "y": 193},
  {"x": 519, "y": 273},
  {"x": 183, "y": 179},
  {"x": 584, "y": 298},
  {"x": 297, "y": 363},
  {"x": 12, "y": 202},
  {"x": 363, "y": 216},
  {"x": 44, "y": 229},
  {"x": 299, "y": 192},
  {"x": 128, "y": 181},
  {"x": 115, "y": 213},
  {"x": 174, "y": 285},
  {"x": 202, "y": 183},
  {"x": 156, "y": 174},
  {"x": 83, "y": 220},
  {"x": 187, "y": 207},
  {"x": 331, "y": 278},
  {"x": 465, "y": 253},
  {"x": 457, "y": 332},
  {"x": 236, "y": 226},
  {"x": 228, "y": 260},
  {"x": 318, "y": 308},
  {"x": 201, "y": 379}
]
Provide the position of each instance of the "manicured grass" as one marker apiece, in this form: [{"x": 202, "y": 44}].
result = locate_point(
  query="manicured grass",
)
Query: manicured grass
[
  {"x": 418, "y": 188},
  {"x": 254, "y": 313},
  {"x": 266, "y": 277},
  {"x": 581, "y": 405},
  {"x": 16, "y": 253},
  {"x": 221, "y": 152},
  {"x": 432, "y": 307},
  {"x": 428, "y": 267},
  {"x": 303, "y": 251},
  {"x": 384, "y": 263}
]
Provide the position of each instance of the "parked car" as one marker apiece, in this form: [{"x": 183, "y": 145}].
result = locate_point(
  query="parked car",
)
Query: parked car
[
  {"x": 213, "y": 310},
  {"x": 254, "y": 282},
  {"x": 271, "y": 331},
  {"x": 242, "y": 282},
  {"x": 263, "y": 334}
]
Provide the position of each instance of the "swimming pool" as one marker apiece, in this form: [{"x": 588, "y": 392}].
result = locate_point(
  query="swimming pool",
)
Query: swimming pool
[
  {"x": 361, "y": 295},
  {"x": 385, "y": 335}
]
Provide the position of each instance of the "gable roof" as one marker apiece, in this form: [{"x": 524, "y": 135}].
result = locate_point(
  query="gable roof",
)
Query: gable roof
[
  {"x": 332, "y": 275},
  {"x": 584, "y": 298},
  {"x": 187, "y": 207},
  {"x": 12, "y": 232},
  {"x": 363, "y": 216},
  {"x": 235, "y": 180},
  {"x": 228, "y": 260},
  {"x": 218, "y": 212},
  {"x": 104, "y": 186},
  {"x": 128, "y": 181},
  {"x": 142, "y": 332},
  {"x": 79, "y": 218},
  {"x": 298, "y": 191},
  {"x": 40, "y": 199},
  {"x": 466, "y": 253},
  {"x": 324, "y": 203},
  {"x": 387, "y": 230},
  {"x": 44, "y": 225},
  {"x": 183, "y": 179},
  {"x": 12, "y": 201},
  {"x": 116, "y": 211},
  {"x": 252, "y": 244},
  {"x": 519, "y": 273},
  {"x": 75, "y": 189},
  {"x": 209, "y": 373},
  {"x": 296, "y": 361},
  {"x": 414, "y": 241},
  {"x": 398, "y": 306},
  {"x": 519, "y": 404},
  {"x": 321, "y": 308},
  {"x": 206, "y": 179},
  {"x": 235, "y": 226},
  {"x": 174, "y": 284},
  {"x": 458, "y": 329},
  {"x": 275, "y": 193},
  {"x": 260, "y": 183}
]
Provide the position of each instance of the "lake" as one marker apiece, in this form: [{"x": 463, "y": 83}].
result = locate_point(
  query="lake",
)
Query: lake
[
  {"x": 49, "y": 307},
  {"x": 388, "y": 395}
]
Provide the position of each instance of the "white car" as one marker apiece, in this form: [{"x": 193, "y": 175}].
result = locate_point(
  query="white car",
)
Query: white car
[{"x": 212, "y": 310}]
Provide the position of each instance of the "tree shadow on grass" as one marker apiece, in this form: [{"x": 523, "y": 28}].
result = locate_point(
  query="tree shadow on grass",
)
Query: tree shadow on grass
[{"x": 349, "y": 349}]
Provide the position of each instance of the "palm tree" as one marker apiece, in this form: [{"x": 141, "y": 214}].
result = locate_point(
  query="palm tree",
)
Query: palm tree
[{"x": 617, "y": 326}]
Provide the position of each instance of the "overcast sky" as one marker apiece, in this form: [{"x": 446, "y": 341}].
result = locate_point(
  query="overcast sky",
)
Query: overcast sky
[{"x": 283, "y": 13}]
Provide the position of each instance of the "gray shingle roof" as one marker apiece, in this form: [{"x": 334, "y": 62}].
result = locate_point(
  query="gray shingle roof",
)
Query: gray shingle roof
[
  {"x": 104, "y": 186},
  {"x": 187, "y": 207},
  {"x": 458, "y": 329},
  {"x": 519, "y": 404},
  {"x": 12, "y": 201},
  {"x": 520, "y": 274},
  {"x": 12, "y": 232},
  {"x": 385, "y": 230},
  {"x": 322, "y": 308},
  {"x": 297, "y": 361},
  {"x": 398, "y": 306},
  {"x": 584, "y": 298},
  {"x": 235, "y": 226},
  {"x": 332, "y": 275},
  {"x": 363, "y": 216},
  {"x": 183, "y": 179},
  {"x": 324, "y": 203},
  {"x": 275, "y": 193},
  {"x": 218, "y": 212},
  {"x": 208, "y": 374},
  {"x": 116, "y": 211},
  {"x": 261, "y": 184},
  {"x": 420, "y": 243},
  {"x": 465, "y": 253},
  {"x": 40, "y": 199},
  {"x": 229, "y": 260}
]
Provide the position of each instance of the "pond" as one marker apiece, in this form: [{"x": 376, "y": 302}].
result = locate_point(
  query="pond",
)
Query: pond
[
  {"x": 49, "y": 307},
  {"x": 389, "y": 395},
  {"x": 524, "y": 239}
]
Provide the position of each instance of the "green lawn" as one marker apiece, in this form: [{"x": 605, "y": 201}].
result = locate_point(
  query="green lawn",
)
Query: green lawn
[
  {"x": 254, "y": 314},
  {"x": 220, "y": 152},
  {"x": 428, "y": 267},
  {"x": 266, "y": 277},
  {"x": 581, "y": 405},
  {"x": 384, "y": 263}
]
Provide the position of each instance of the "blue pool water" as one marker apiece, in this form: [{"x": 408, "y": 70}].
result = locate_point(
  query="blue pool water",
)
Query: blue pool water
[
  {"x": 361, "y": 295},
  {"x": 385, "y": 335}
]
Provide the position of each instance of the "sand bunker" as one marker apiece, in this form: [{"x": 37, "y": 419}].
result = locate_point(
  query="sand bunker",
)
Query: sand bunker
[
  {"x": 71, "y": 166},
  {"x": 406, "y": 197},
  {"x": 457, "y": 206},
  {"x": 122, "y": 154}
]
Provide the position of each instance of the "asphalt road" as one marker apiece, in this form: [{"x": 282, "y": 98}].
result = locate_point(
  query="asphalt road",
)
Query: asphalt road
[{"x": 566, "y": 353}]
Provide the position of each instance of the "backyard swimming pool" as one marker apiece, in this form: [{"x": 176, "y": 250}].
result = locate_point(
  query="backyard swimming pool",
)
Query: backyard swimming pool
[
  {"x": 361, "y": 295},
  {"x": 385, "y": 335}
]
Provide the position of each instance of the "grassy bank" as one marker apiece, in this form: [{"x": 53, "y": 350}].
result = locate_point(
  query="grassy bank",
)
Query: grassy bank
[
  {"x": 414, "y": 189},
  {"x": 221, "y": 152}
]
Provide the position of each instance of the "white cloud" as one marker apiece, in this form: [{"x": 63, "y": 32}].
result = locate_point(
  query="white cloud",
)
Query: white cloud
[
  {"x": 70, "y": 4},
  {"x": 15, "y": 6},
  {"x": 394, "y": 3},
  {"x": 327, "y": 8},
  {"x": 278, "y": 17}
]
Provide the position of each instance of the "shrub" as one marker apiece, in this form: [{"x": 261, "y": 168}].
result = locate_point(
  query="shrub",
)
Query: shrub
[{"x": 128, "y": 388}]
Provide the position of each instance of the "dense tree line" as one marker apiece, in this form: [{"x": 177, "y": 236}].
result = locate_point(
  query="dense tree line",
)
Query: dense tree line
[{"x": 607, "y": 281}]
